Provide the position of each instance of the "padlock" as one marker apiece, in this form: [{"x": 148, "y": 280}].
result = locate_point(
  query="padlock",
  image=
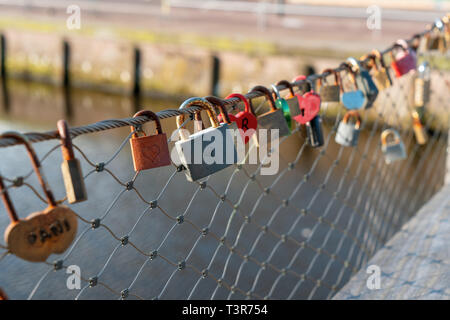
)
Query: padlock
[
  {"x": 282, "y": 104},
  {"x": 149, "y": 152},
  {"x": 354, "y": 99},
  {"x": 70, "y": 167},
  {"x": 309, "y": 104},
  {"x": 348, "y": 133},
  {"x": 314, "y": 132},
  {"x": 380, "y": 73},
  {"x": 191, "y": 148},
  {"x": 330, "y": 92},
  {"x": 43, "y": 232},
  {"x": 246, "y": 119},
  {"x": 403, "y": 58},
  {"x": 273, "y": 119},
  {"x": 364, "y": 82},
  {"x": 421, "y": 90},
  {"x": 291, "y": 99},
  {"x": 435, "y": 37},
  {"x": 393, "y": 150},
  {"x": 420, "y": 131},
  {"x": 230, "y": 120},
  {"x": 3, "y": 295}
]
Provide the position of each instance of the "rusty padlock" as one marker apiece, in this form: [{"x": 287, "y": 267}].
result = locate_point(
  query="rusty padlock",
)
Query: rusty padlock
[
  {"x": 379, "y": 71},
  {"x": 3, "y": 295},
  {"x": 191, "y": 148},
  {"x": 420, "y": 131},
  {"x": 149, "y": 152},
  {"x": 43, "y": 232},
  {"x": 330, "y": 92},
  {"x": 435, "y": 37},
  {"x": 273, "y": 119},
  {"x": 70, "y": 167}
]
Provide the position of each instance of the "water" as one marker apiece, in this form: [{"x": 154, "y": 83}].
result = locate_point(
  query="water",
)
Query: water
[{"x": 370, "y": 208}]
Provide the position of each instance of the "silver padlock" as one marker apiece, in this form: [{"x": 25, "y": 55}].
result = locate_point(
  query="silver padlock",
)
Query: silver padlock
[
  {"x": 199, "y": 152},
  {"x": 273, "y": 119},
  {"x": 314, "y": 132},
  {"x": 348, "y": 133},
  {"x": 393, "y": 150}
]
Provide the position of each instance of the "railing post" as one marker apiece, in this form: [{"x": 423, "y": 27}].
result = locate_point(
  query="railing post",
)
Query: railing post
[
  {"x": 66, "y": 79},
  {"x": 3, "y": 73},
  {"x": 215, "y": 76},
  {"x": 137, "y": 90},
  {"x": 2, "y": 57}
]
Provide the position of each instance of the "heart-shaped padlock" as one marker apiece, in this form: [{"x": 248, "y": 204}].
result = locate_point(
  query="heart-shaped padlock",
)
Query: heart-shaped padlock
[
  {"x": 309, "y": 104},
  {"x": 42, "y": 233},
  {"x": 245, "y": 120}
]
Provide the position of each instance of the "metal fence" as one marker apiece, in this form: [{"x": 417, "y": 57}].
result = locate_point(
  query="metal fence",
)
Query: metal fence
[{"x": 298, "y": 234}]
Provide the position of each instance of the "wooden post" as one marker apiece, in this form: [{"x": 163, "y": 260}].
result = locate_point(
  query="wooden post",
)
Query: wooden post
[
  {"x": 66, "y": 80},
  {"x": 137, "y": 90},
  {"x": 215, "y": 76},
  {"x": 3, "y": 73},
  {"x": 2, "y": 57}
]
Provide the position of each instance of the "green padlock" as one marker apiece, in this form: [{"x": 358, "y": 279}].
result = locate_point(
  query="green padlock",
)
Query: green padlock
[{"x": 282, "y": 104}]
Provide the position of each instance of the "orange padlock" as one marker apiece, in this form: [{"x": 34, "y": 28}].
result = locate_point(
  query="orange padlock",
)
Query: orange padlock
[{"x": 149, "y": 151}]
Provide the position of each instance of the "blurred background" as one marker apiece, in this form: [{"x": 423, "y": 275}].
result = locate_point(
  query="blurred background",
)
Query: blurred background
[{"x": 108, "y": 51}]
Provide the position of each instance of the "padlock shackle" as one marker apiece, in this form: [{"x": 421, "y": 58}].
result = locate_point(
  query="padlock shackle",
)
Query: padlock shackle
[
  {"x": 267, "y": 94},
  {"x": 351, "y": 73},
  {"x": 204, "y": 104},
  {"x": 275, "y": 92},
  {"x": 7, "y": 202},
  {"x": 241, "y": 97},
  {"x": 389, "y": 132},
  {"x": 66, "y": 140},
  {"x": 352, "y": 114},
  {"x": 220, "y": 104},
  {"x": 150, "y": 115},
  {"x": 354, "y": 64},
  {"x": 288, "y": 85},
  {"x": 304, "y": 80},
  {"x": 337, "y": 78},
  {"x": 35, "y": 163}
]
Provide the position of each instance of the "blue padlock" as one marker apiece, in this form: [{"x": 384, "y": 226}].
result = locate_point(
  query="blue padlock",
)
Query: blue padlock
[
  {"x": 354, "y": 99},
  {"x": 365, "y": 82}
]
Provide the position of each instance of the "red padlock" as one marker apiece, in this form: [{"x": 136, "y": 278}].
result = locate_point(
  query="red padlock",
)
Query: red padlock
[
  {"x": 309, "y": 103},
  {"x": 403, "y": 58},
  {"x": 149, "y": 151},
  {"x": 245, "y": 120}
]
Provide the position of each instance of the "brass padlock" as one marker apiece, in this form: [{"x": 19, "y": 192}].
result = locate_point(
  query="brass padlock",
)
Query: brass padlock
[
  {"x": 422, "y": 83},
  {"x": 330, "y": 92},
  {"x": 273, "y": 119},
  {"x": 149, "y": 152},
  {"x": 379, "y": 71},
  {"x": 435, "y": 37},
  {"x": 420, "y": 131},
  {"x": 191, "y": 148},
  {"x": 394, "y": 149},
  {"x": 70, "y": 167},
  {"x": 43, "y": 232}
]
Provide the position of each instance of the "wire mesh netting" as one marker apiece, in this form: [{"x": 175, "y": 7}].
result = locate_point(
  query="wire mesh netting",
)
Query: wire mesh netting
[{"x": 238, "y": 234}]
